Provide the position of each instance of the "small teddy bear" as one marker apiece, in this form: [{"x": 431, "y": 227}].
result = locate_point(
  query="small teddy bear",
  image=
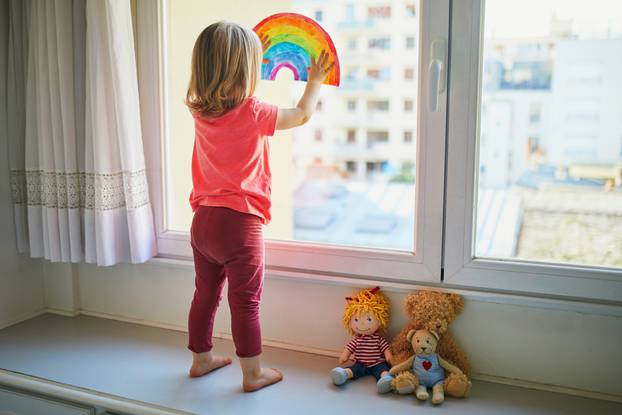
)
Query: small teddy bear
[
  {"x": 365, "y": 316},
  {"x": 428, "y": 367},
  {"x": 433, "y": 310}
]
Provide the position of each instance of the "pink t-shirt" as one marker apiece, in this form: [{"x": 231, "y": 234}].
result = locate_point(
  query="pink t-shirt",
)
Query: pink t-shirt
[{"x": 230, "y": 165}]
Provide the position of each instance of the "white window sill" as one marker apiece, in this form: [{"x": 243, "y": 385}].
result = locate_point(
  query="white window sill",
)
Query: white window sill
[{"x": 523, "y": 299}]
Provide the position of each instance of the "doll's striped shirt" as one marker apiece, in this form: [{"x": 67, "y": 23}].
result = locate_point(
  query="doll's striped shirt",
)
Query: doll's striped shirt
[{"x": 368, "y": 349}]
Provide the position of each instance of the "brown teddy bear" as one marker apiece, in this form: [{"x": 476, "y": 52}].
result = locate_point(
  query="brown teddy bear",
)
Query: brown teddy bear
[{"x": 432, "y": 311}]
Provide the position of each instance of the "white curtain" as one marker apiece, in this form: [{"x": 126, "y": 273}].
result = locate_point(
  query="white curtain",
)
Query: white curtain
[{"x": 75, "y": 142}]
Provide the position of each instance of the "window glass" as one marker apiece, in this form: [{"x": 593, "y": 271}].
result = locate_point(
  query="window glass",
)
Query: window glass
[
  {"x": 347, "y": 176},
  {"x": 550, "y": 165}
]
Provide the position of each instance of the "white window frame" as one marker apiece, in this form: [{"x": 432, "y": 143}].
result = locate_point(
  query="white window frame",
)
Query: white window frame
[
  {"x": 461, "y": 267},
  {"x": 421, "y": 265}
]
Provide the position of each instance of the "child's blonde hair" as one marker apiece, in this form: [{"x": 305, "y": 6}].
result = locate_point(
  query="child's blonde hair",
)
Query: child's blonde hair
[
  {"x": 369, "y": 300},
  {"x": 226, "y": 60}
]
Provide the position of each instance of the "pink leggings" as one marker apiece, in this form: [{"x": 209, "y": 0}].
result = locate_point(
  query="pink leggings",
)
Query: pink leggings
[{"x": 227, "y": 245}]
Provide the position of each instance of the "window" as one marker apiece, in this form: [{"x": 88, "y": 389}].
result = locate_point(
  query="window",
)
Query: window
[
  {"x": 379, "y": 12},
  {"x": 351, "y": 136},
  {"x": 373, "y": 168},
  {"x": 379, "y": 74},
  {"x": 349, "y": 12},
  {"x": 351, "y": 166},
  {"x": 530, "y": 215},
  {"x": 378, "y": 105},
  {"x": 409, "y": 74},
  {"x": 383, "y": 42},
  {"x": 512, "y": 181},
  {"x": 408, "y": 136},
  {"x": 535, "y": 113},
  {"x": 375, "y": 136},
  {"x": 327, "y": 213},
  {"x": 319, "y": 106}
]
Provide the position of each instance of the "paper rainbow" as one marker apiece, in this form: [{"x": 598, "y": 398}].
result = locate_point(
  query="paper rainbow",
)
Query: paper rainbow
[{"x": 294, "y": 40}]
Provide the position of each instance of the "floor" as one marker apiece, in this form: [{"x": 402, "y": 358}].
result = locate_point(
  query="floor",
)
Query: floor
[{"x": 149, "y": 365}]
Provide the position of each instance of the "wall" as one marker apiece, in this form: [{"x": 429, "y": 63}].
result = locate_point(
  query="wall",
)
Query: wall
[
  {"x": 535, "y": 341},
  {"x": 21, "y": 281}
]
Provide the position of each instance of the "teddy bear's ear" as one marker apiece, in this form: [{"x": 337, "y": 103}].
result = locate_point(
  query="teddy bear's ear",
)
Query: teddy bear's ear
[
  {"x": 457, "y": 301},
  {"x": 410, "y": 335}
]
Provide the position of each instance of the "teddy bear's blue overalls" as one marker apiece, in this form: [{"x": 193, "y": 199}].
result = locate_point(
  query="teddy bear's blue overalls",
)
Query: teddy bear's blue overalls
[{"x": 428, "y": 370}]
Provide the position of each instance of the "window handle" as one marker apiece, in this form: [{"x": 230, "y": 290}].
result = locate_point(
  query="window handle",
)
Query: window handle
[{"x": 436, "y": 76}]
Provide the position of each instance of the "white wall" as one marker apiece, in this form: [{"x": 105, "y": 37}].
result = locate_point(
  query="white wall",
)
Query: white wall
[
  {"x": 577, "y": 347},
  {"x": 21, "y": 282}
]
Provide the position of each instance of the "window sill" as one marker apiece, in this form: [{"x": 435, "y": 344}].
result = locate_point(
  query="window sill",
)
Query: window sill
[{"x": 516, "y": 298}]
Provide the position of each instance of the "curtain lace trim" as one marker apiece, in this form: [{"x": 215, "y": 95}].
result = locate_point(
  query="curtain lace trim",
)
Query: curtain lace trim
[{"x": 81, "y": 190}]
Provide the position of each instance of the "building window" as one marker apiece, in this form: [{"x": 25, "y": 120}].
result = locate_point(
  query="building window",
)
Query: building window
[
  {"x": 375, "y": 137},
  {"x": 535, "y": 113},
  {"x": 351, "y": 74},
  {"x": 352, "y": 43},
  {"x": 351, "y": 105},
  {"x": 350, "y": 12},
  {"x": 319, "y": 106},
  {"x": 409, "y": 74},
  {"x": 351, "y": 136},
  {"x": 379, "y": 74},
  {"x": 372, "y": 167},
  {"x": 408, "y": 136},
  {"x": 381, "y": 12},
  {"x": 351, "y": 166},
  {"x": 317, "y": 135},
  {"x": 410, "y": 42},
  {"x": 380, "y": 105},
  {"x": 383, "y": 42},
  {"x": 411, "y": 10},
  {"x": 409, "y": 105},
  {"x": 319, "y": 15}
]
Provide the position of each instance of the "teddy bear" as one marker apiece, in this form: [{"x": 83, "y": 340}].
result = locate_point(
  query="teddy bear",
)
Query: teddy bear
[
  {"x": 427, "y": 366},
  {"x": 432, "y": 311}
]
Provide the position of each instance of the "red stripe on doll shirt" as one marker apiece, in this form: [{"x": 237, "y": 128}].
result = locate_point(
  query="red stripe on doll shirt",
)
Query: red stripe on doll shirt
[{"x": 368, "y": 349}]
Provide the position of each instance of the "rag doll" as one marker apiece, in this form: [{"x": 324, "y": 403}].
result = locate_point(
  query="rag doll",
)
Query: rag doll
[{"x": 366, "y": 317}]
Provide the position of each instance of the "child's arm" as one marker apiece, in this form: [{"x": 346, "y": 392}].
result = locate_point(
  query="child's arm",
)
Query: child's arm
[{"x": 293, "y": 117}]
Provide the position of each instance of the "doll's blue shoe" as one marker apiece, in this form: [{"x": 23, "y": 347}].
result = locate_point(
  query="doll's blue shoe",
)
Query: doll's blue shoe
[
  {"x": 384, "y": 384},
  {"x": 339, "y": 375}
]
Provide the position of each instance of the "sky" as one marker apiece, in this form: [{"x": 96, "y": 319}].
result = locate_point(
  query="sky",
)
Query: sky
[{"x": 531, "y": 18}]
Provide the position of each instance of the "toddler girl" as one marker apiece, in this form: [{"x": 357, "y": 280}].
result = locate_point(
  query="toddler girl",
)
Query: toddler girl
[{"x": 231, "y": 190}]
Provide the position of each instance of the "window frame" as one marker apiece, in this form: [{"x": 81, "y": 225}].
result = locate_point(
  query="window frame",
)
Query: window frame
[
  {"x": 461, "y": 267},
  {"x": 421, "y": 265}
]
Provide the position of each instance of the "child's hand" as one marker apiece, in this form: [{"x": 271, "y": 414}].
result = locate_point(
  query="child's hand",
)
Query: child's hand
[{"x": 319, "y": 69}]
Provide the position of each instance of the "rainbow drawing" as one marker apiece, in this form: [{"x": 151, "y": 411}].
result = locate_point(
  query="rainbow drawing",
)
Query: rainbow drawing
[{"x": 294, "y": 40}]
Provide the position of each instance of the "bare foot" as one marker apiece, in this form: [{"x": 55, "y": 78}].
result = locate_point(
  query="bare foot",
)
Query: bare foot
[
  {"x": 266, "y": 378},
  {"x": 202, "y": 367}
]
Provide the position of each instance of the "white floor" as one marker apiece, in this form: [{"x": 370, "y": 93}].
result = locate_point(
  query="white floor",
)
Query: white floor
[{"x": 150, "y": 365}]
